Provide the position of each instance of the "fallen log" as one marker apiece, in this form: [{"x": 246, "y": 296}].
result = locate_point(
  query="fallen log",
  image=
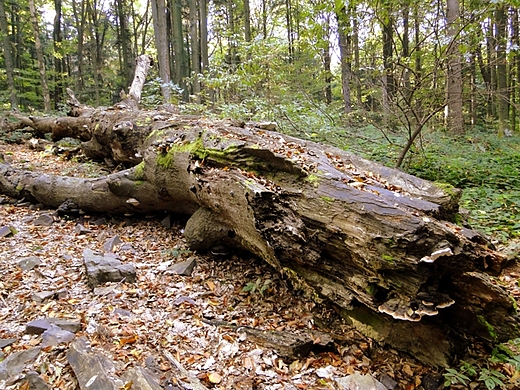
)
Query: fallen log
[{"x": 378, "y": 243}]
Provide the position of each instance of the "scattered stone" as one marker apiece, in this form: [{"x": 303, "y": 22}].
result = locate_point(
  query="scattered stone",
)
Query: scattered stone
[
  {"x": 55, "y": 336},
  {"x": 432, "y": 381},
  {"x": 105, "y": 290},
  {"x": 80, "y": 229},
  {"x": 29, "y": 263},
  {"x": 43, "y": 220},
  {"x": 106, "y": 268},
  {"x": 34, "y": 382},
  {"x": 109, "y": 244},
  {"x": 41, "y": 325},
  {"x": 42, "y": 296},
  {"x": 99, "y": 221},
  {"x": 69, "y": 209},
  {"x": 167, "y": 221},
  {"x": 16, "y": 362},
  {"x": 388, "y": 382},
  {"x": 6, "y": 342},
  {"x": 123, "y": 312},
  {"x": 184, "y": 268},
  {"x": 357, "y": 381},
  {"x": 7, "y": 231},
  {"x": 140, "y": 379},
  {"x": 93, "y": 370}
]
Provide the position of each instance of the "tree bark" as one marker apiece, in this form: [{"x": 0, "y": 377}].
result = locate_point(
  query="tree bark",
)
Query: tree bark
[
  {"x": 374, "y": 241},
  {"x": 39, "y": 56},
  {"x": 8, "y": 57},
  {"x": 345, "y": 51},
  {"x": 161, "y": 42}
]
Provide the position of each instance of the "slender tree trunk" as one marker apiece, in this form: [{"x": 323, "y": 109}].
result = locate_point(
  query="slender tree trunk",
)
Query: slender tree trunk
[
  {"x": 204, "y": 52},
  {"x": 58, "y": 54},
  {"x": 39, "y": 56},
  {"x": 159, "y": 16},
  {"x": 125, "y": 43},
  {"x": 195, "y": 49},
  {"x": 8, "y": 57},
  {"x": 79, "y": 18},
  {"x": 232, "y": 46},
  {"x": 327, "y": 60},
  {"x": 247, "y": 21},
  {"x": 355, "y": 50},
  {"x": 517, "y": 66},
  {"x": 264, "y": 18},
  {"x": 388, "y": 51},
  {"x": 454, "y": 116},
  {"x": 407, "y": 93},
  {"x": 290, "y": 29},
  {"x": 501, "y": 69},
  {"x": 345, "y": 56},
  {"x": 180, "y": 59}
]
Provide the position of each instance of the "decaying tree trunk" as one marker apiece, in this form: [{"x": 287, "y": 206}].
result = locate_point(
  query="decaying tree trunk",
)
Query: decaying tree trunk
[{"x": 375, "y": 241}]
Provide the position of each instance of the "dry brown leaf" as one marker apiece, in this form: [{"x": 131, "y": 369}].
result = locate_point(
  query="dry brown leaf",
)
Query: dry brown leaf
[{"x": 215, "y": 378}]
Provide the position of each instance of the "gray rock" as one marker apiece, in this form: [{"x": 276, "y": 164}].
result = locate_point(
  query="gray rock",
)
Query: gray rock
[
  {"x": 41, "y": 325},
  {"x": 55, "y": 336},
  {"x": 35, "y": 381},
  {"x": 29, "y": 263},
  {"x": 106, "y": 268},
  {"x": 167, "y": 221},
  {"x": 5, "y": 342},
  {"x": 388, "y": 382},
  {"x": 109, "y": 244},
  {"x": 16, "y": 362},
  {"x": 93, "y": 370},
  {"x": 357, "y": 381},
  {"x": 7, "y": 231},
  {"x": 80, "y": 229},
  {"x": 42, "y": 296},
  {"x": 140, "y": 379},
  {"x": 184, "y": 268},
  {"x": 44, "y": 220}
]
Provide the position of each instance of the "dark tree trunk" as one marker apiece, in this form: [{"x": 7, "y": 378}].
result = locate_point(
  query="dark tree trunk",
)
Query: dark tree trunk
[{"x": 375, "y": 241}]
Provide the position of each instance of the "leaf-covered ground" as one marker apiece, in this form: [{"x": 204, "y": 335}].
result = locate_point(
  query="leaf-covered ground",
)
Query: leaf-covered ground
[{"x": 134, "y": 324}]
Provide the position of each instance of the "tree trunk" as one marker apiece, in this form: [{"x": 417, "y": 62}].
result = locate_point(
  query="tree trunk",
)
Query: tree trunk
[
  {"x": 454, "y": 117},
  {"x": 8, "y": 57},
  {"x": 195, "y": 49},
  {"x": 39, "y": 56},
  {"x": 375, "y": 241},
  {"x": 501, "y": 69},
  {"x": 345, "y": 56},
  {"x": 247, "y": 21},
  {"x": 58, "y": 55},
  {"x": 160, "y": 18}
]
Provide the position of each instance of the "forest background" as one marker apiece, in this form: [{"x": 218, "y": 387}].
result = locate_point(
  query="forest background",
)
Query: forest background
[{"x": 430, "y": 87}]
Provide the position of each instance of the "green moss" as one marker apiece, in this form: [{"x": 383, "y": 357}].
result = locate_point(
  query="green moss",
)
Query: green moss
[
  {"x": 19, "y": 187},
  {"x": 327, "y": 199},
  {"x": 371, "y": 289},
  {"x": 490, "y": 328},
  {"x": 139, "y": 171},
  {"x": 447, "y": 188},
  {"x": 388, "y": 258},
  {"x": 313, "y": 180}
]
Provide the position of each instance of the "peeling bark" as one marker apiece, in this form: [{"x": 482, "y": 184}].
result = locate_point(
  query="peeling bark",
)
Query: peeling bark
[{"x": 373, "y": 240}]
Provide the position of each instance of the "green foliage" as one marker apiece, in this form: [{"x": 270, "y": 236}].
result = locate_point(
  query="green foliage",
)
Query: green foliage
[{"x": 258, "y": 286}]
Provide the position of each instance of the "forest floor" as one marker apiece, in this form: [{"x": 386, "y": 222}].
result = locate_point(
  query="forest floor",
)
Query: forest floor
[{"x": 135, "y": 324}]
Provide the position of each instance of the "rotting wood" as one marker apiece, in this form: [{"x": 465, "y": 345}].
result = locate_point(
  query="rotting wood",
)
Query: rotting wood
[{"x": 375, "y": 241}]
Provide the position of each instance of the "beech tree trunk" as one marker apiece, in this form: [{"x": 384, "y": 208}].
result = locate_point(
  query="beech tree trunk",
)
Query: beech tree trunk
[{"x": 375, "y": 241}]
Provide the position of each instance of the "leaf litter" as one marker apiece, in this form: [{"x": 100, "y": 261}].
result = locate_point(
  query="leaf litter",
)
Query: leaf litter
[{"x": 165, "y": 317}]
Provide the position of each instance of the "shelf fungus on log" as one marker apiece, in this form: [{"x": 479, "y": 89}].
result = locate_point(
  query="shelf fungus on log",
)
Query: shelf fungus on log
[{"x": 377, "y": 242}]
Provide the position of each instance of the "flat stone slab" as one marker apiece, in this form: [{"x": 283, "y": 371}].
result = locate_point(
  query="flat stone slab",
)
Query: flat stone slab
[
  {"x": 41, "y": 325},
  {"x": 5, "y": 342},
  {"x": 16, "y": 362},
  {"x": 102, "y": 268},
  {"x": 184, "y": 268},
  {"x": 93, "y": 370}
]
